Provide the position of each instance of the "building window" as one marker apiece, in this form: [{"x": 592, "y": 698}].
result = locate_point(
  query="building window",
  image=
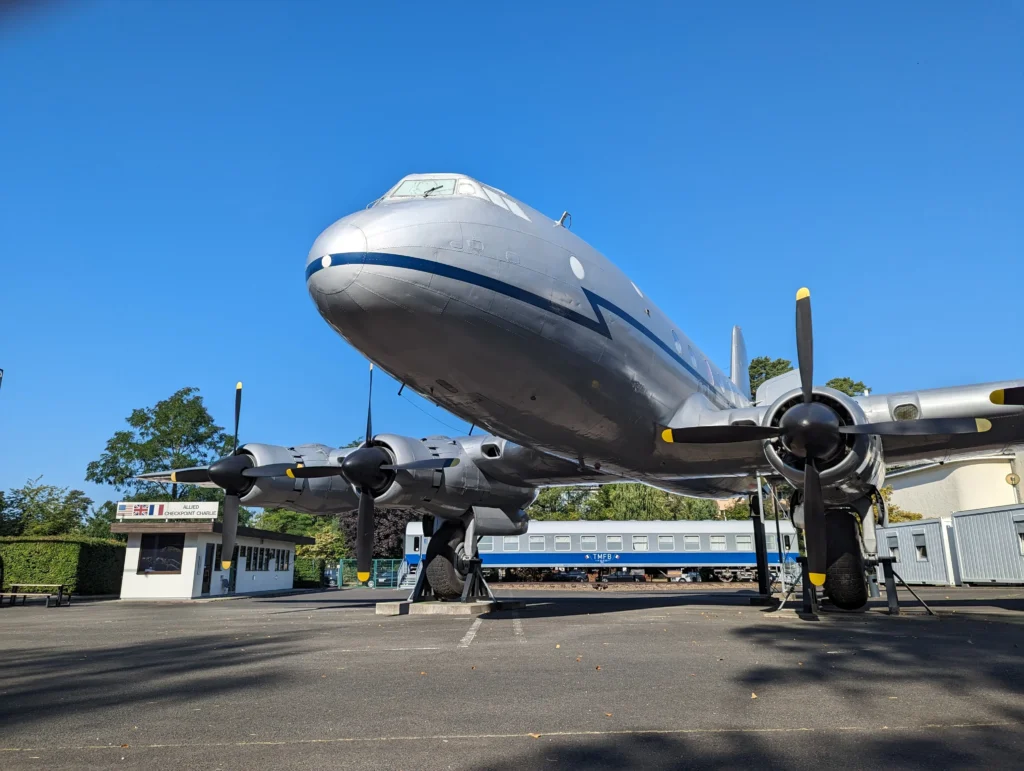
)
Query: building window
[
  {"x": 921, "y": 547},
  {"x": 510, "y": 543},
  {"x": 536, "y": 543},
  {"x": 771, "y": 543},
  {"x": 248, "y": 558},
  {"x": 1020, "y": 541},
  {"x": 563, "y": 543},
  {"x": 486, "y": 543},
  {"x": 161, "y": 552},
  {"x": 691, "y": 543},
  {"x": 588, "y": 543},
  {"x": 744, "y": 543},
  {"x": 639, "y": 543},
  {"x": 894, "y": 547},
  {"x": 718, "y": 543},
  {"x": 613, "y": 542},
  {"x": 666, "y": 542}
]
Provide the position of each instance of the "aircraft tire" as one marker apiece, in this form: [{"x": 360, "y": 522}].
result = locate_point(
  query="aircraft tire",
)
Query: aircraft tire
[
  {"x": 845, "y": 583},
  {"x": 442, "y": 573}
]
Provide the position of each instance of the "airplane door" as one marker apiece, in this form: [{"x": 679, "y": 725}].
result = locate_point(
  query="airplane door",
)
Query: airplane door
[{"x": 207, "y": 568}]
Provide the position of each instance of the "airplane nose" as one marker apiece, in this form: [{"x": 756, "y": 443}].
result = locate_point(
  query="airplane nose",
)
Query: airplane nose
[{"x": 341, "y": 238}]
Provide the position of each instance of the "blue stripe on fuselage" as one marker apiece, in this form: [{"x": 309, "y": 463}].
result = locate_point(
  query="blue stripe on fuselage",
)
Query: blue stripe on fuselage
[{"x": 598, "y": 324}]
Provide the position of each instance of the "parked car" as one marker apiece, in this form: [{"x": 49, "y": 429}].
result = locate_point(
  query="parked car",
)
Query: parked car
[
  {"x": 571, "y": 576},
  {"x": 630, "y": 578}
]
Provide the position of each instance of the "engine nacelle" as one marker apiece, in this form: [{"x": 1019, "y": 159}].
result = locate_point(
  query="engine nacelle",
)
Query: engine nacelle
[
  {"x": 312, "y": 496},
  {"x": 855, "y": 468},
  {"x": 450, "y": 492}
]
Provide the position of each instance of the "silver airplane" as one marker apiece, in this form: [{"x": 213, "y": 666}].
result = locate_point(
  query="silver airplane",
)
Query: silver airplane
[{"x": 510, "y": 321}]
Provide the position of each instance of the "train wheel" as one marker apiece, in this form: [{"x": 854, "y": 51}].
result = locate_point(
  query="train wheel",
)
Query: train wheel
[
  {"x": 445, "y": 554},
  {"x": 845, "y": 583}
]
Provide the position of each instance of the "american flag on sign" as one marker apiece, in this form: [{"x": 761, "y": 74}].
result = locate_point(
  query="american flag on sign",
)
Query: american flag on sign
[{"x": 122, "y": 508}]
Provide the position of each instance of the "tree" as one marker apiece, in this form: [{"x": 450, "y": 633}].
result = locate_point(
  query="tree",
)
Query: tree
[
  {"x": 896, "y": 514},
  {"x": 764, "y": 368},
  {"x": 330, "y": 542},
  {"x": 847, "y": 385},
  {"x": 177, "y": 432},
  {"x": 99, "y": 521},
  {"x": 38, "y": 509},
  {"x": 388, "y": 530},
  {"x": 286, "y": 521}
]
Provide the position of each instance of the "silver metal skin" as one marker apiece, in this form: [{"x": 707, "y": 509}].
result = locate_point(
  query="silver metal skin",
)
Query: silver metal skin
[{"x": 495, "y": 312}]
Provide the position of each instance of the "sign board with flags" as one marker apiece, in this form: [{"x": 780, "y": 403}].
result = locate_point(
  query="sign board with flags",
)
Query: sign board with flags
[{"x": 168, "y": 510}]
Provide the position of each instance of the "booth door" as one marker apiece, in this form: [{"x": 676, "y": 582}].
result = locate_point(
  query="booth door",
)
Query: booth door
[{"x": 207, "y": 568}]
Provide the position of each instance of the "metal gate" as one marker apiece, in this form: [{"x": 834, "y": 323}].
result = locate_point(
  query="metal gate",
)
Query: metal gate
[{"x": 383, "y": 575}]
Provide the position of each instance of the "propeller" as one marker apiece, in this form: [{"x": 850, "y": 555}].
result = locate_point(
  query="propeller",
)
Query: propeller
[
  {"x": 811, "y": 430},
  {"x": 228, "y": 473}
]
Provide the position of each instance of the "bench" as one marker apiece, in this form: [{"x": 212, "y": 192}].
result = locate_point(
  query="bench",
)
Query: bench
[{"x": 63, "y": 596}]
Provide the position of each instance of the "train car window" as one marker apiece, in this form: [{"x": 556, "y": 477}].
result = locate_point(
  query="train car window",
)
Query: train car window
[
  {"x": 588, "y": 542},
  {"x": 416, "y": 543},
  {"x": 486, "y": 543},
  {"x": 536, "y": 543},
  {"x": 788, "y": 541},
  {"x": 639, "y": 543},
  {"x": 744, "y": 543},
  {"x": 718, "y": 543},
  {"x": 691, "y": 543},
  {"x": 772, "y": 543},
  {"x": 563, "y": 543},
  {"x": 510, "y": 543},
  {"x": 666, "y": 542},
  {"x": 613, "y": 542}
]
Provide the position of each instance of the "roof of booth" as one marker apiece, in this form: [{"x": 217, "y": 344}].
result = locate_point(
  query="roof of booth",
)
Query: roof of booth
[{"x": 206, "y": 527}]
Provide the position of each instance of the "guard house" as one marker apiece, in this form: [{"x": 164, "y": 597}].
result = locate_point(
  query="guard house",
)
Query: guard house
[{"x": 181, "y": 560}]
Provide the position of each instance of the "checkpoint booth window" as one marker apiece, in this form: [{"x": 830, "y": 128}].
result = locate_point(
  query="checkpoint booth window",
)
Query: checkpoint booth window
[{"x": 161, "y": 553}]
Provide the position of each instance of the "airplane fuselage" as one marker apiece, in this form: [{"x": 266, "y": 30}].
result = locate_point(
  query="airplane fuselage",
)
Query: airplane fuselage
[{"x": 515, "y": 324}]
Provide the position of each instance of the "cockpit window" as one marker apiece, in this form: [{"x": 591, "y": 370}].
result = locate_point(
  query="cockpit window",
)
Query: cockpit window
[{"x": 424, "y": 188}]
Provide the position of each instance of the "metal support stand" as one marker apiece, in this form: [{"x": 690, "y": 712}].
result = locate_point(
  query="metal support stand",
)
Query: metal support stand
[
  {"x": 476, "y": 588},
  {"x": 890, "y": 585},
  {"x": 764, "y": 590},
  {"x": 422, "y": 591},
  {"x": 809, "y": 589}
]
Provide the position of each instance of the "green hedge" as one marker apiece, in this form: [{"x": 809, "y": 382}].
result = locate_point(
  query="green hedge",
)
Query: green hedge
[
  {"x": 309, "y": 573},
  {"x": 86, "y": 565}
]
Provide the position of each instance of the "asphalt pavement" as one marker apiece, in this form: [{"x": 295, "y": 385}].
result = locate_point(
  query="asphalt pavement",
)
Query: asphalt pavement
[{"x": 588, "y": 680}]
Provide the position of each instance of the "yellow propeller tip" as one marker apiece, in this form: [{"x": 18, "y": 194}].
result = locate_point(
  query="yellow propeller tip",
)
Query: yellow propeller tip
[
  {"x": 666, "y": 435},
  {"x": 238, "y": 386},
  {"x": 818, "y": 579},
  {"x": 802, "y": 294},
  {"x": 288, "y": 473},
  {"x": 998, "y": 397},
  {"x": 983, "y": 425},
  {"x": 174, "y": 477},
  {"x": 225, "y": 564},
  {"x": 363, "y": 577}
]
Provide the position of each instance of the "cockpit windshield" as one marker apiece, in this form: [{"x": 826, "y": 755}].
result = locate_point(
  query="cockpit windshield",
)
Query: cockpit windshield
[{"x": 424, "y": 188}]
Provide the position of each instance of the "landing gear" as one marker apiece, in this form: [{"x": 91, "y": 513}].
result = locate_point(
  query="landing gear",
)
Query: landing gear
[
  {"x": 845, "y": 582},
  {"x": 450, "y": 573}
]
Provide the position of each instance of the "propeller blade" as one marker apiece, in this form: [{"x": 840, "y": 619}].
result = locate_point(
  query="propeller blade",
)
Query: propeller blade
[
  {"x": 814, "y": 525},
  {"x": 923, "y": 427},
  {"x": 1010, "y": 396},
  {"x": 429, "y": 463},
  {"x": 191, "y": 476},
  {"x": 805, "y": 343},
  {"x": 313, "y": 472},
  {"x": 369, "y": 410},
  {"x": 229, "y": 531},
  {"x": 719, "y": 434},
  {"x": 272, "y": 470},
  {"x": 238, "y": 412},
  {"x": 364, "y": 535}
]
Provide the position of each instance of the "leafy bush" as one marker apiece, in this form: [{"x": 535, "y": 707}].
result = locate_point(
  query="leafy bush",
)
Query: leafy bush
[
  {"x": 85, "y": 565},
  {"x": 309, "y": 573}
]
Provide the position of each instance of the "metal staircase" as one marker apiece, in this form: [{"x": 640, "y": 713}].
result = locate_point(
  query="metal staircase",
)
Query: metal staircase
[{"x": 409, "y": 579}]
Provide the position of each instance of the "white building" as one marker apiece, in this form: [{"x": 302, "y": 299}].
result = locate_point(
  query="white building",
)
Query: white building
[
  {"x": 942, "y": 489},
  {"x": 182, "y": 560}
]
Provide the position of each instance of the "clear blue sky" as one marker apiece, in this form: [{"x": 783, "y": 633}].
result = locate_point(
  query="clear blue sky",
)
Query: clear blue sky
[{"x": 165, "y": 167}]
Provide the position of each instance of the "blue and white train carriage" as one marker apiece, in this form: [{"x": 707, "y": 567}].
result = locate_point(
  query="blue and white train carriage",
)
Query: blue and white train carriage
[{"x": 658, "y": 545}]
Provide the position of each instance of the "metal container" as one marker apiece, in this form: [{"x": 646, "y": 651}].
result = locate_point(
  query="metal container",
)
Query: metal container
[
  {"x": 920, "y": 549},
  {"x": 990, "y": 545}
]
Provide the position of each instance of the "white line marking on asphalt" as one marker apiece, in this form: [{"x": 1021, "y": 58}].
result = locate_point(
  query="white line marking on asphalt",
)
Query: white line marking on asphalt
[
  {"x": 468, "y": 637},
  {"x": 377, "y": 650},
  {"x": 517, "y": 627}
]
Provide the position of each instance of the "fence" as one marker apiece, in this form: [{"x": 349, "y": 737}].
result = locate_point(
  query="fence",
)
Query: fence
[{"x": 383, "y": 575}]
